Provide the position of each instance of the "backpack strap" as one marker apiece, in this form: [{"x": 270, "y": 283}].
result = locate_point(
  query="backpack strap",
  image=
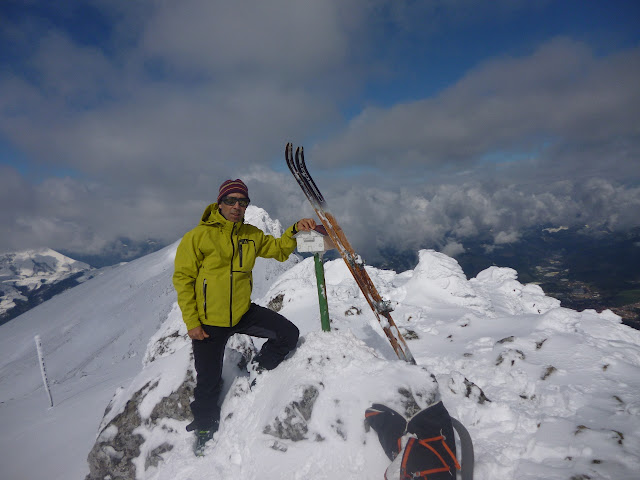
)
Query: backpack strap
[
  {"x": 389, "y": 425},
  {"x": 428, "y": 458},
  {"x": 467, "y": 457}
]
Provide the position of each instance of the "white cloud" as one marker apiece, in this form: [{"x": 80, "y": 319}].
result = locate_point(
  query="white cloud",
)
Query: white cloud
[
  {"x": 506, "y": 237},
  {"x": 554, "y": 105},
  {"x": 295, "y": 39},
  {"x": 183, "y": 95},
  {"x": 453, "y": 248}
]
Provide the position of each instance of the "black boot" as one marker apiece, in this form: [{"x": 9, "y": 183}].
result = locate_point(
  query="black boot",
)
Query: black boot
[{"x": 203, "y": 435}]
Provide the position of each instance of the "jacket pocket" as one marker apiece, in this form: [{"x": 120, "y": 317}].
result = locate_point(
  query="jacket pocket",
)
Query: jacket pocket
[{"x": 246, "y": 253}]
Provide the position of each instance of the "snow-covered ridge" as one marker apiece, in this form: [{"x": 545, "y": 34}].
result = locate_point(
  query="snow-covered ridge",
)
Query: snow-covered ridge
[
  {"x": 540, "y": 387},
  {"x": 22, "y": 273},
  {"x": 546, "y": 392},
  {"x": 265, "y": 271},
  {"x": 258, "y": 217},
  {"x": 33, "y": 267}
]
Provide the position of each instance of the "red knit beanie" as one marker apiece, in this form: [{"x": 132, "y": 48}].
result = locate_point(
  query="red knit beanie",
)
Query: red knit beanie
[{"x": 233, "y": 186}]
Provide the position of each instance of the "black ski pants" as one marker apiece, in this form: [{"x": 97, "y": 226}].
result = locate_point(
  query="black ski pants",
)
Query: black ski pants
[{"x": 208, "y": 355}]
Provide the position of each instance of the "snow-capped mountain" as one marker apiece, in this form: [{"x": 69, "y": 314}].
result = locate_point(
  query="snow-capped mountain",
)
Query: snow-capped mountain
[
  {"x": 546, "y": 392},
  {"x": 27, "y": 278}
]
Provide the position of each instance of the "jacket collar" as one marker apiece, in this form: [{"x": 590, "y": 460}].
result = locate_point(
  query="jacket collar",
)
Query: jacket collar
[{"x": 212, "y": 217}]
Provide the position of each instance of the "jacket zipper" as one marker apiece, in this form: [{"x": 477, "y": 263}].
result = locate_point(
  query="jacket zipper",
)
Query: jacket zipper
[
  {"x": 204, "y": 292},
  {"x": 233, "y": 253}
]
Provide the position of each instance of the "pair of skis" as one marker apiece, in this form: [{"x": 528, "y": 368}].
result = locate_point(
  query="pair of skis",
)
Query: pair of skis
[{"x": 381, "y": 309}]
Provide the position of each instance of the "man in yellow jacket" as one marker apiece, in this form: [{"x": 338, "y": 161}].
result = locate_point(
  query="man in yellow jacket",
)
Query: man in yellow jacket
[{"x": 213, "y": 280}]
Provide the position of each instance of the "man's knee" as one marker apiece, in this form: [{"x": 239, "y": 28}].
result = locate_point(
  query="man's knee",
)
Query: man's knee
[{"x": 292, "y": 335}]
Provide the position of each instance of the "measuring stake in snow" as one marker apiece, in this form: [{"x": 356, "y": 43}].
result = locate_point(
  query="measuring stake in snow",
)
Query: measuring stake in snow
[
  {"x": 316, "y": 242},
  {"x": 42, "y": 369}
]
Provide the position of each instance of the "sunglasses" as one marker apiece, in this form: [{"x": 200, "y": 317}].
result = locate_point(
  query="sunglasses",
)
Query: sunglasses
[{"x": 244, "y": 202}]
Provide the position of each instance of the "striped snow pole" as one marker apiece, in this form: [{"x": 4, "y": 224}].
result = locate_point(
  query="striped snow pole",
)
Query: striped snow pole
[{"x": 42, "y": 368}]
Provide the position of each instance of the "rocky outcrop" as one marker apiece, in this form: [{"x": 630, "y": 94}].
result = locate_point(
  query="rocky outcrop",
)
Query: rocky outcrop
[
  {"x": 292, "y": 424},
  {"x": 119, "y": 445},
  {"x": 158, "y": 398},
  {"x": 144, "y": 422}
]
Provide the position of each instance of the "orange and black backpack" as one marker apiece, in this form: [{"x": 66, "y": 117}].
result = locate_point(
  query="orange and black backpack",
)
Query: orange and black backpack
[{"x": 423, "y": 447}]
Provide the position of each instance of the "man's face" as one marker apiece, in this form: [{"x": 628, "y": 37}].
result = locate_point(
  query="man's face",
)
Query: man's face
[{"x": 233, "y": 213}]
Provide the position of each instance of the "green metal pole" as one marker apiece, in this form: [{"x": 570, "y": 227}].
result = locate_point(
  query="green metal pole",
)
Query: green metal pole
[{"x": 322, "y": 293}]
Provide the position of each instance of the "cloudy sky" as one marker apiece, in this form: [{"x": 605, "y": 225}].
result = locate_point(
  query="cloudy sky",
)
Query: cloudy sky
[{"x": 425, "y": 123}]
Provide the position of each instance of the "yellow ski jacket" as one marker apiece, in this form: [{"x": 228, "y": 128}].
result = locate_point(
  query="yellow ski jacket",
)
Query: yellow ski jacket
[{"x": 213, "y": 268}]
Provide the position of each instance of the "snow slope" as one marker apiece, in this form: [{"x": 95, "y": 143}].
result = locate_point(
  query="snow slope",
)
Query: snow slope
[
  {"x": 546, "y": 392},
  {"x": 94, "y": 338}
]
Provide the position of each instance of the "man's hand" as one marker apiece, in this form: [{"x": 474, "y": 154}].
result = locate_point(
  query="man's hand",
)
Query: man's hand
[
  {"x": 305, "y": 224},
  {"x": 197, "y": 333}
]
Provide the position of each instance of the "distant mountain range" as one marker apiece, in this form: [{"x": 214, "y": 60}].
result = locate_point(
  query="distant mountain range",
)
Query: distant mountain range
[
  {"x": 30, "y": 277},
  {"x": 120, "y": 250},
  {"x": 582, "y": 267}
]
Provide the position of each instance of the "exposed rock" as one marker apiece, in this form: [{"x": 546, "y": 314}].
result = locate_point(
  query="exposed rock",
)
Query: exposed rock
[
  {"x": 547, "y": 372},
  {"x": 292, "y": 424},
  {"x": 110, "y": 458},
  {"x": 120, "y": 443},
  {"x": 458, "y": 384},
  {"x": 276, "y": 302},
  {"x": 176, "y": 405},
  {"x": 122, "y": 439},
  {"x": 155, "y": 456}
]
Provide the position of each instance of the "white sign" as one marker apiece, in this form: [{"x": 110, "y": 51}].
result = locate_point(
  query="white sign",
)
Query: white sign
[{"x": 311, "y": 241}]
